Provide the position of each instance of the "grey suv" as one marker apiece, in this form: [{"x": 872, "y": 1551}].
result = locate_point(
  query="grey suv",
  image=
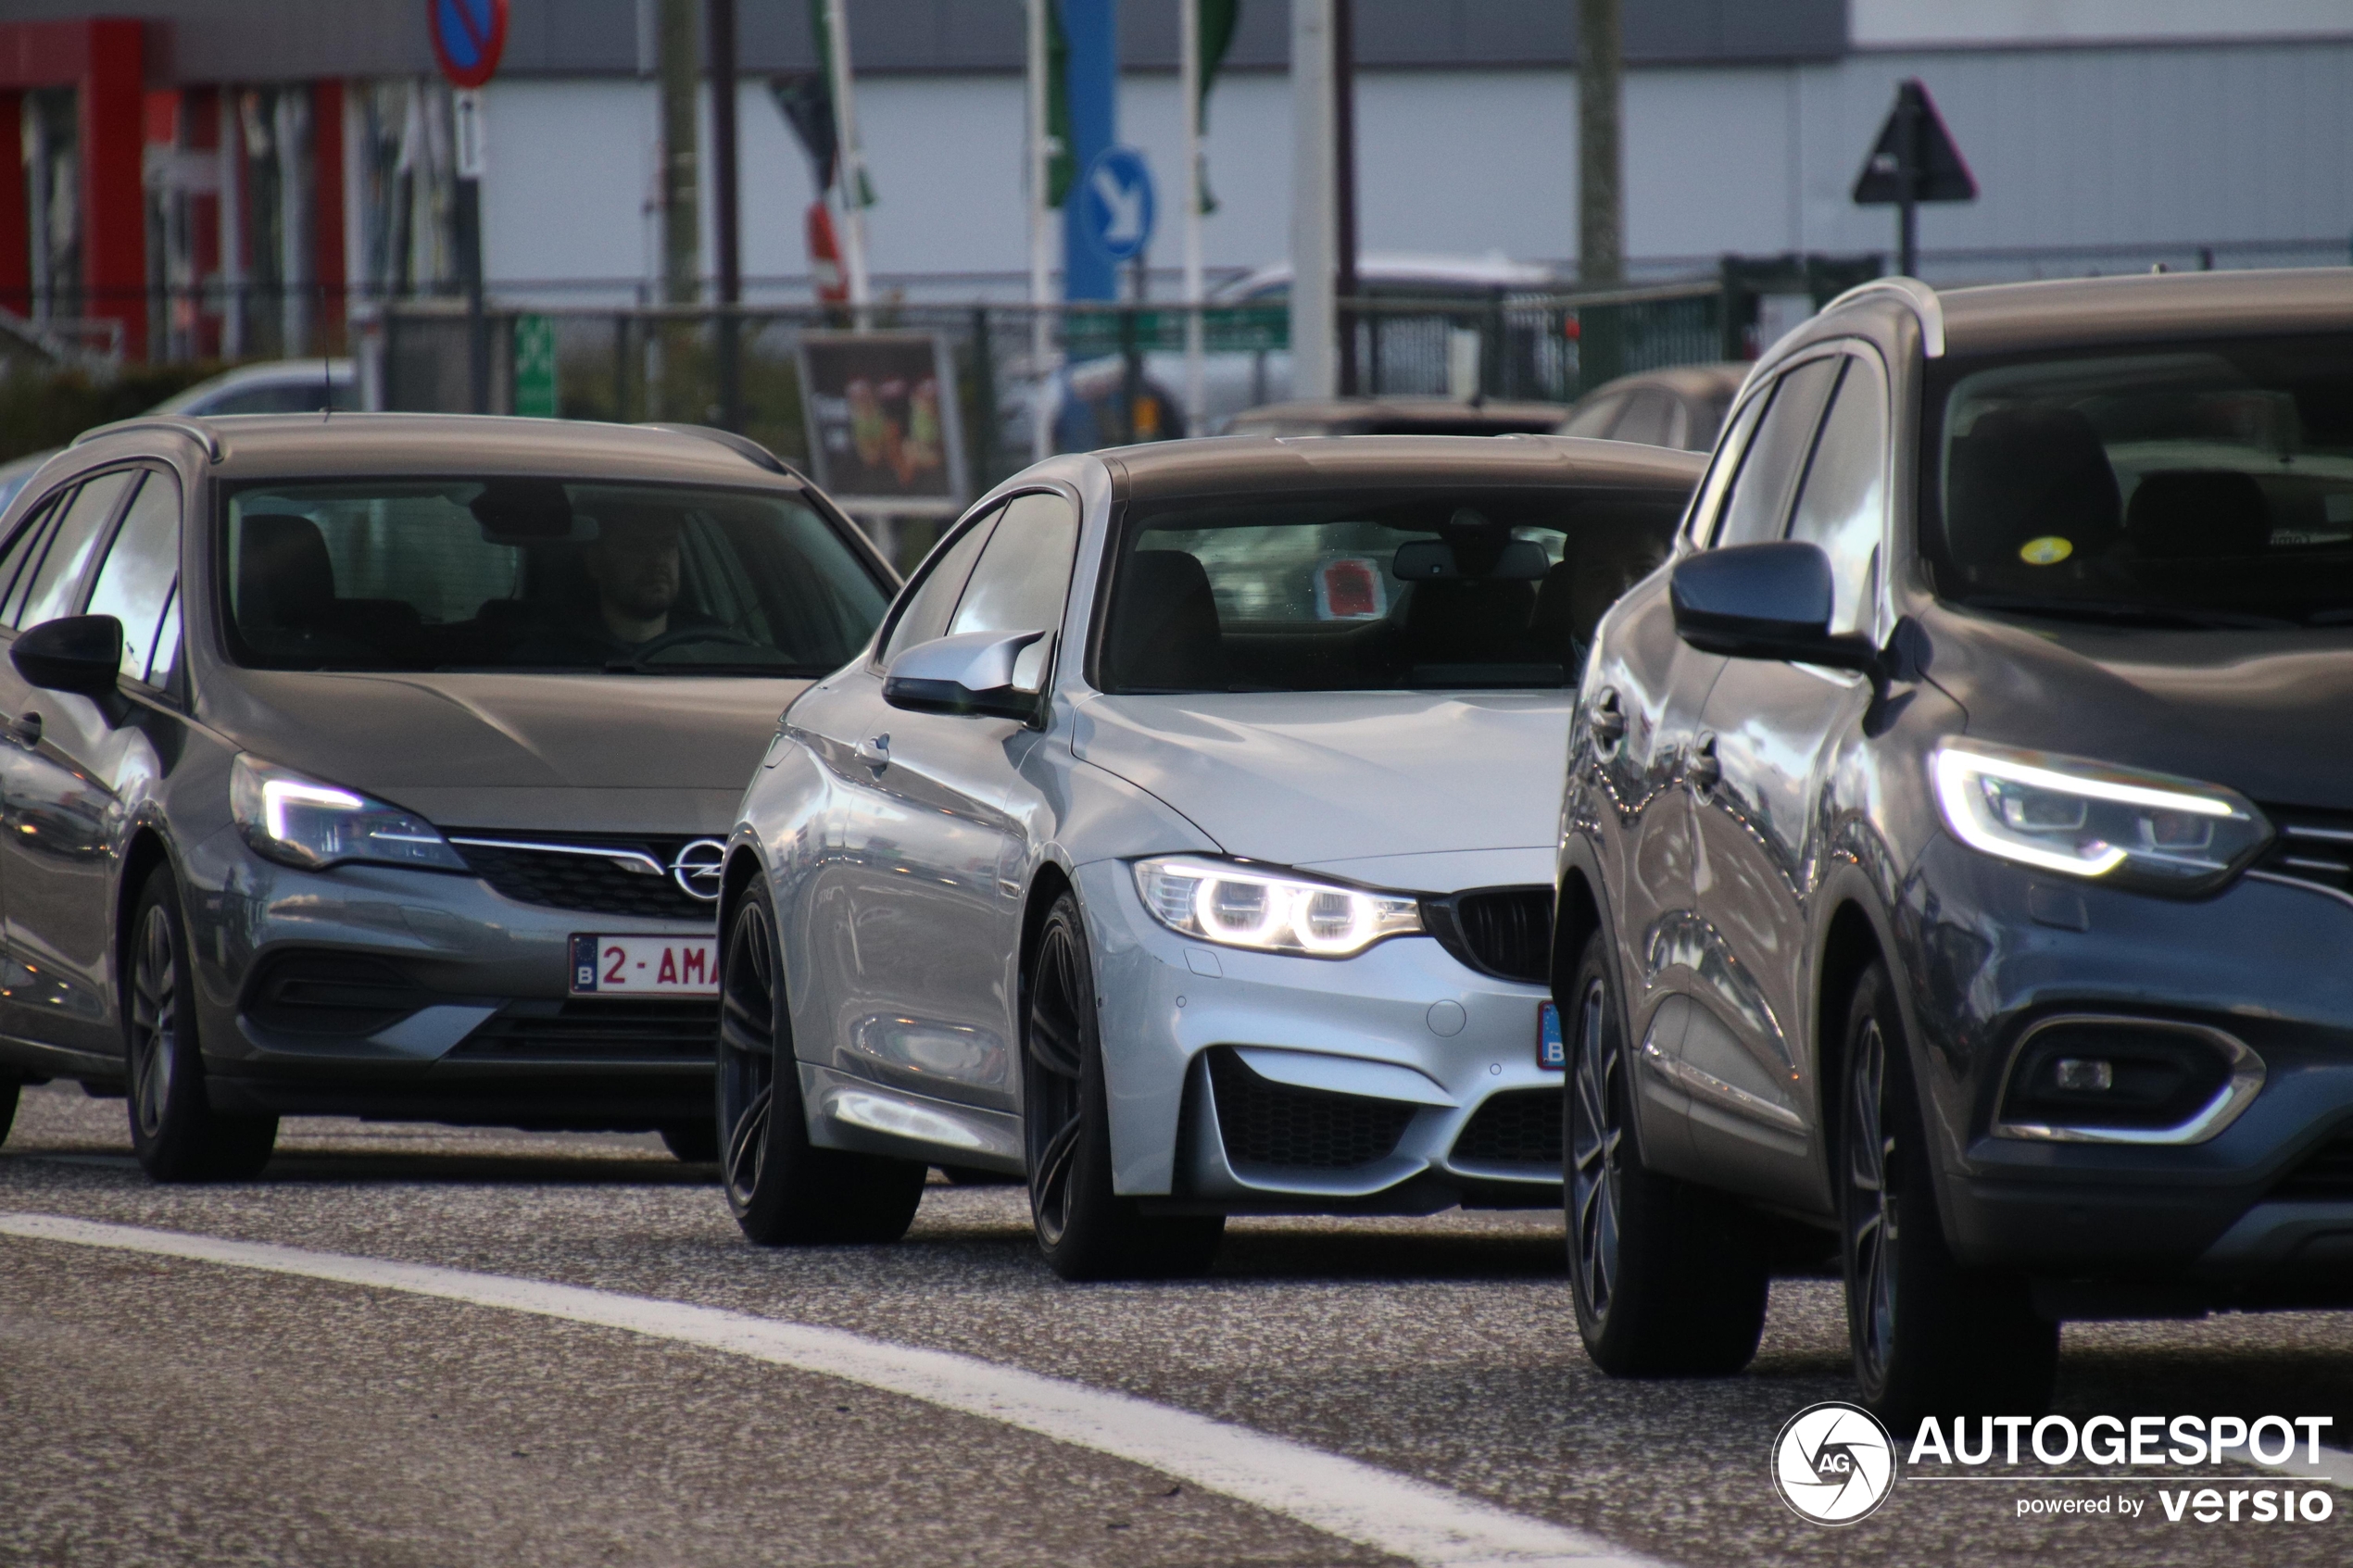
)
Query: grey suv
[
  {"x": 379, "y": 764},
  {"x": 1957, "y": 854}
]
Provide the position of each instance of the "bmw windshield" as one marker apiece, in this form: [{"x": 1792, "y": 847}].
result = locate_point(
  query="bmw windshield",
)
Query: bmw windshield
[
  {"x": 2200, "y": 485},
  {"x": 517, "y": 574}
]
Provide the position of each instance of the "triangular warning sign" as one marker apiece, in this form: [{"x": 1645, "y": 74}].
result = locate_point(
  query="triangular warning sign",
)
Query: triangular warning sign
[{"x": 1938, "y": 173}]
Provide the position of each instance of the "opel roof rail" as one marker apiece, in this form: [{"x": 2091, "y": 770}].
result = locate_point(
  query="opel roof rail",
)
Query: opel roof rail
[
  {"x": 1917, "y": 296},
  {"x": 743, "y": 446},
  {"x": 178, "y": 424}
]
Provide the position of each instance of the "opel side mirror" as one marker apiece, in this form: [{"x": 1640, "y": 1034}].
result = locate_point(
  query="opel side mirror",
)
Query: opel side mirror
[
  {"x": 969, "y": 673},
  {"x": 81, "y": 654}
]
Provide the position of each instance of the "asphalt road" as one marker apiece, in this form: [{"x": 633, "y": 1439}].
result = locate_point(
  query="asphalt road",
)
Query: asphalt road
[{"x": 161, "y": 1410}]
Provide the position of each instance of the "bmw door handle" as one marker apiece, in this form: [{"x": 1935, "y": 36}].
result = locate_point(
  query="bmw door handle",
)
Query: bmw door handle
[
  {"x": 1607, "y": 723},
  {"x": 1700, "y": 765},
  {"x": 875, "y": 752}
]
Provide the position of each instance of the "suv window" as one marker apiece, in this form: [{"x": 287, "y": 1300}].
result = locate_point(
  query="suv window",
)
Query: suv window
[
  {"x": 1720, "y": 469},
  {"x": 933, "y": 599},
  {"x": 1761, "y": 493},
  {"x": 1842, "y": 497},
  {"x": 23, "y": 549},
  {"x": 1023, "y": 577},
  {"x": 136, "y": 577},
  {"x": 75, "y": 540}
]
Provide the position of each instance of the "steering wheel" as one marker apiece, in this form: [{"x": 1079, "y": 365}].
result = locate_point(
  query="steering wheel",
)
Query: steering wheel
[{"x": 685, "y": 634}]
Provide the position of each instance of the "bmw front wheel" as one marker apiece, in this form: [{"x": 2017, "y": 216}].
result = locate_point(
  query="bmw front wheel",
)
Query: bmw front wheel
[
  {"x": 1085, "y": 1228},
  {"x": 783, "y": 1190},
  {"x": 1929, "y": 1337},
  {"x": 1668, "y": 1279}
]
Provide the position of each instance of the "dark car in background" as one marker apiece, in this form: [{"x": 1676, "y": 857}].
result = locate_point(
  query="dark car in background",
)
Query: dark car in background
[
  {"x": 1680, "y": 406},
  {"x": 1958, "y": 849},
  {"x": 379, "y": 764}
]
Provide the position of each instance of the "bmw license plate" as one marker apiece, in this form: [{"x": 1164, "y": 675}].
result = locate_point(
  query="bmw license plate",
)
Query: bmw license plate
[
  {"x": 645, "y": 966},
  {"x": 1550, "y": 1051}
]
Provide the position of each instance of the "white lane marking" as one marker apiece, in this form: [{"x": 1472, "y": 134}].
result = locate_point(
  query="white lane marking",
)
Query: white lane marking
[{"x": 1341, "y": 1497}]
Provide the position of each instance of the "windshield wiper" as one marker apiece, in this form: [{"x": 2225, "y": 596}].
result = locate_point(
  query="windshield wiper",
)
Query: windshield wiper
[
  {"x": 2115, "y": 614},
  {"x": 776, "y": 671}
]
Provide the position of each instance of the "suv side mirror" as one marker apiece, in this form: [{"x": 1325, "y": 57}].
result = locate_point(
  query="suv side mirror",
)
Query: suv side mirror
[
  {"x": 81, "y": 654},
  {"x": 969, "y": 673},
  {"x": 1764, "y": 601}
]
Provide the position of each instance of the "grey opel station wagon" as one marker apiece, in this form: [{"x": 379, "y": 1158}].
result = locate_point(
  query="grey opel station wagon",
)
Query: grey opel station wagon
[{"x": 380, "y": 765}]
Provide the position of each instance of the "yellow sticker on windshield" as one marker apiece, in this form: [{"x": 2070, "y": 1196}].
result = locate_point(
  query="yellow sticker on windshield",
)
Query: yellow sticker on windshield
[{"x": 2049, "y": 550}]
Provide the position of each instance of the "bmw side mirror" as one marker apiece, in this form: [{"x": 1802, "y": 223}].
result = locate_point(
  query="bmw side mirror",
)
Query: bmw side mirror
[
  {"x": 1764, "y": 601},
  {"x": 971, "y": 673},
  {"x": 81, "y": 654}
]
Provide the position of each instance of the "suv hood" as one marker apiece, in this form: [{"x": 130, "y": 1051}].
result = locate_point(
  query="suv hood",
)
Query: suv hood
[
  {"x": 1301, "y": 778},
  {"x": 614, "y": 753},
  {"x": 2260, "y": 711}
]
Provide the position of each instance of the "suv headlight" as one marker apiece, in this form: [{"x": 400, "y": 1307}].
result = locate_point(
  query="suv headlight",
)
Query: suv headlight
[
  {"x": 1242, "y": 906},
  {"x": 2082, "y": 818},
  {"x": 300, "y": 821}
]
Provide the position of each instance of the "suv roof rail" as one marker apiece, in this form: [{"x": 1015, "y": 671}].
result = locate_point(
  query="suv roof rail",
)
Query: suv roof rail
[
  {"x": 743, "y": 446},
  {"x": 178, "y": 424},
  {"x": 1918, "y": 297}
]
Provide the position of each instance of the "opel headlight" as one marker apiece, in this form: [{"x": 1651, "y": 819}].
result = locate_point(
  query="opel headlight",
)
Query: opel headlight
[
  {"x": 300, "y": 821},
  {"x": 1240, "y": 905},
  {"x": 2082, "y": 818}
]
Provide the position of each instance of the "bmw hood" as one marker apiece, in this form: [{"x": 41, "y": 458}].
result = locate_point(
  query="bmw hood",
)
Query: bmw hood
[
  {"x": 1466, "y": 783},
  {"x": 606, "y": 753},
  {"x": 2260, "y": 712}
]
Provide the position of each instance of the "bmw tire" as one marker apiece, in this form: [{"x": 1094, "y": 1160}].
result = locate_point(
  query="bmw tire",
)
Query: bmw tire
[
  {"x": 783, "y": 1190},
  {"x": 1668, "y": 1279},
  {"x": 1929, "y": 1337},
  {"x": 1085, "y": 1228},
  {"x": 175, "y": 1132}
]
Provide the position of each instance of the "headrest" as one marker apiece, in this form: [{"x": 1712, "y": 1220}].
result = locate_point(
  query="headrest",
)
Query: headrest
[
  {"x": 1164, "y": 631},
  {"x": 2200, "y": 512},
  {"x": 2025, "y": 475},
  {"x": 1426, "y": 560},
  {"x": 284, "y": 575}
]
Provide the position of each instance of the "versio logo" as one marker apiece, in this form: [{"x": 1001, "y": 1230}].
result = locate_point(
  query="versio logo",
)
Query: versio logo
[{"x": 1834, "y": 1464}]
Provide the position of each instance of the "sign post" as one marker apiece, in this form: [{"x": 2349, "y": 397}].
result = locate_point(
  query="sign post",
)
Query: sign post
[
  {"x": 469, "y": 36},
  {"x": 1913, "y": 161}
]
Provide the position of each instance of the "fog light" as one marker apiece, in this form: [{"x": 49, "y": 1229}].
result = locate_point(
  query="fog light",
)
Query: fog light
[{"x": 2081, "y": 1072}]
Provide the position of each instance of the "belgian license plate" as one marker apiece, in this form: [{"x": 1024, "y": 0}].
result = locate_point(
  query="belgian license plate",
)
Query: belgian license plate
[
  {"x": 645, "y": 966},
  {"x": 1550, "y": 1051}
]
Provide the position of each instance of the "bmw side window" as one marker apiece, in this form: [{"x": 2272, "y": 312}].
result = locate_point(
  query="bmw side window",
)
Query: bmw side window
[
  {"x": 135, "y": 579},
  {"x": 1760, "y": 494},
  {"x": 71, "y": 544},
  {"x": 23, "y": 550},
  {"x": 924, "y": 612},
  {"x": 1843, "y": 499},
  {"x": 1023, "y": 577}
]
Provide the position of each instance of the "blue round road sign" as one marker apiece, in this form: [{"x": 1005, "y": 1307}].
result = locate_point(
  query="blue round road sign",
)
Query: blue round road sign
[
  {"x": 1115, "y": 203},
  {"x": 468, "y": 38}
]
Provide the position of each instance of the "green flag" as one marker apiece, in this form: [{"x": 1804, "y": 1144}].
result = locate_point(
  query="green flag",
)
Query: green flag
[
  {"x": 1218, "y": 19},
  {"x": 824, "y": 37}
]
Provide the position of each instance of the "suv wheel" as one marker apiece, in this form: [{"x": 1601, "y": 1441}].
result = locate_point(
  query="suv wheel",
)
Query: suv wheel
[
  {"x": 1929, "y": 1337},
  {"x": 174, "y": 1131},
  {"x": 1085, "y": 1230},
  {"x": 1669, "y": 1279},
  {"x": 782, "y": 1189}
]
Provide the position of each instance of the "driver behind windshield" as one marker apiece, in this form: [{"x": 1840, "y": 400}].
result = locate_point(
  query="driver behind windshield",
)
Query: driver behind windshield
[{"x": 632, "y": 565}]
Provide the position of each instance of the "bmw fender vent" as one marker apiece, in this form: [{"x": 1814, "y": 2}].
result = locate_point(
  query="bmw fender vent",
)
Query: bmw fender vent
[{"x": 1265, "y": 1122}]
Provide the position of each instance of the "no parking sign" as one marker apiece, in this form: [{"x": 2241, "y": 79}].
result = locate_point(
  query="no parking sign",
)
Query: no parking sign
[{"x": 468, "y": 38}]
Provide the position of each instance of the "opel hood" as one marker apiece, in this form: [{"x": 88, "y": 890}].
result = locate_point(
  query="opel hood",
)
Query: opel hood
[
  {"x": 613, "y": 753},
  {"x": 2260, "y": 712},
  {"x": 1303, "y": 778}
]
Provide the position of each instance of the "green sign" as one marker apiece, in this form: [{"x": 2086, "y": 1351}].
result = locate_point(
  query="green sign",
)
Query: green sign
[
  {"x": 1224, "y": 329},
  {"x": 535, "y": 367}
]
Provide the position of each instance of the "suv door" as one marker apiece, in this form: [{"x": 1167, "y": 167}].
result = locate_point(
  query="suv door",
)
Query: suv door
[
  {"x": 1764, "y": 843},
  {"x": 923, "y": 988},
  {"x": 64, "y": 767}
]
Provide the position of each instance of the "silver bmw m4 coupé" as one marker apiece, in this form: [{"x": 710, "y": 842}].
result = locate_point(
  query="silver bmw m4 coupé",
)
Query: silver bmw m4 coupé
[{"x": 1183, "y": 841}]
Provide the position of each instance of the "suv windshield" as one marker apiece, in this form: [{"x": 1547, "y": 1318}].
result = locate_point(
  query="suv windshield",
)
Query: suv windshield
[
  {"x": 1395, "y": 590},
  {"x": 540, "y": 574},
  {"x": 2200, "y": 485}
]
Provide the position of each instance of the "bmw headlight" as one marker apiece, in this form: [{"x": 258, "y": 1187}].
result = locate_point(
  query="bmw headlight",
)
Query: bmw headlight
[
  {"x": 2082, "y": 818},
  {"x": 1242, "y": 906},
  {"x": 300, "y": 821}
]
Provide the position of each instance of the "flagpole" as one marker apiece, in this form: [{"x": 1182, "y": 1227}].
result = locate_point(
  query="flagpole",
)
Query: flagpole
[
  {"x": 850, "y": 164},
  {"x": 1042, "y": 244},
  {"x": 1189, "y": 87}
]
